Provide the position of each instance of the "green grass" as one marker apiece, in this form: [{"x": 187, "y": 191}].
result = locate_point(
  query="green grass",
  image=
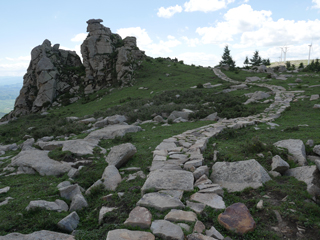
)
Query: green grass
[{"x": 233, "y": 145}]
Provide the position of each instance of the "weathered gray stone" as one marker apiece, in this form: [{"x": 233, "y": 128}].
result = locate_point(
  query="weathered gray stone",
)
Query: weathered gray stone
[
  {"x": 316, "y": 149},
  {"x": 236, "y": 176},
  {"x": 70, "y": 191},
  {"x": 295, "y": 148},
  {"x": 6, "y": 201},
  {"x": 120, "y": 154},
  {"x": 199, "y": 227},
  {"x": 58, "y": 205},
  {"x": 124, "y": 234},
  {"x": 212, "y": 232},
  {"x": 111, "y": 178},
  {"x": 279, "y": 165},
  {"x": 139, "y": 217},
  {"x": 211, "y": 199},
  {"x": 180, "y": 216},
  {"x": 199, "y": 236},
  {"x": 196, "y": 207},
  {"x": 110, "y": 132},
  {"x": 200, "y": 171},
  {"x": 39, "y": 161},
  {"x": 116, "y": 119},
  {"x": 308, "y": 174},
  {"x": 177, "y": 114},
  {"x": 160, "y": 201},
  {"x": 103, "y": 211},
  {"x": 166, "y": 230},
  {"x": 78, "y": 202},
  {"x": 4, "y": 190},
  {"x": 169, "y": 180},
  {"x": 69, "y": 223},
  {"x": 40, "y": 235},
  {"x": 211, "y": 189},
  {"x": 174, "y": 193}
]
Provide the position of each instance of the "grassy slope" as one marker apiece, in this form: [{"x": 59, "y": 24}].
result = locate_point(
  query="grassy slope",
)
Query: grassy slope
[{"x": 152, "y": 75}]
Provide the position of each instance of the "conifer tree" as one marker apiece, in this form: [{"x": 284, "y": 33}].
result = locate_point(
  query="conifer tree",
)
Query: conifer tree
[
  {"x": 227, "y": 59},
  {"x": 246, "y": 62},
  {"x": 256, "y": 59}
]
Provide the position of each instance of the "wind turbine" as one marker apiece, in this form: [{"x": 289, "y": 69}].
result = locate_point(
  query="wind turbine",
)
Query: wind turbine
[
  {"x": 310, "y": 46},
  {"x": 285, "y": 53},
  {"x": 281, "y": 53}
]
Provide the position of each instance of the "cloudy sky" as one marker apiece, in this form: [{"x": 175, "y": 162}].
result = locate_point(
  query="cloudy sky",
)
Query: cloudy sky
[{"x": 195, "y": 31}]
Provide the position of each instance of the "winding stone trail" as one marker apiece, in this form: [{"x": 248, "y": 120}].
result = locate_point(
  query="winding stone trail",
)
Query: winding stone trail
[
  {"x": 177, "y": 167},
  {"x": 178, "y": 160}
]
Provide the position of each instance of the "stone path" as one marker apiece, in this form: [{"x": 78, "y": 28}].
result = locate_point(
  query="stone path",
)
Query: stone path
[
  {"x": 177, "y": 167},
  {"x": 177, "y": 164}
]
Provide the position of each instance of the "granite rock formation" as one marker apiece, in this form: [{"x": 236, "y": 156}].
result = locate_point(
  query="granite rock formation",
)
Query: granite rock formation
[
  {"x": 52, "y": 72},
  {"x": 108, "y": 58}
]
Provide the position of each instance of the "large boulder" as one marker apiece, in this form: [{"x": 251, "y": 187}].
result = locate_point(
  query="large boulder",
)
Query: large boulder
[
  {"x": 40, "y": 162},
  {"x": 120, "y": 154},
  {"x": 236, "y": 176},
  {"x": 110, "y": 132},
  {"x": 40, "y": 235},
  {"x": 308, "y": 174},
  {"x": 296, "y": 148}
]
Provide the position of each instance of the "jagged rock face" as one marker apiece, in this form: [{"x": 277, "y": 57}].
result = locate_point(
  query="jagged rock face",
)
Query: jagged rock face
[
  {"x": 107, "y": 58},
  {"x": 51, "y": 73}
]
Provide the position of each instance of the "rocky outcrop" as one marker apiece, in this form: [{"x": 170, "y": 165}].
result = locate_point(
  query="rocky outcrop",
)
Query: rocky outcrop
[
  {"x": 52, "y": 72},
  {"x": 107, "y": 57},
  {"x": 57, "y": 74}
]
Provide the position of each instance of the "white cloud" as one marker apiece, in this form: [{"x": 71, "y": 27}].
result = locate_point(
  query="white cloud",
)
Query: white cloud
[
  {"x": 257, "y": 28},
  {"x": 169, "y": 12},
  {"x": 237, "y": 20},
  {"x": 163, "y": 47},
  {"x": 206, "y": 5},
  {"x": 79, "y": 37},
  {"x": 317, "y": 3},
  {"x": 143, "y": 39},
  {"x": 199, "y": 58},
  {"x": 14, "y": 66},
  {"x": 13, "y": 69},
  {"x": 191, "y": 42},
  {"x": 144, "y": 42}
]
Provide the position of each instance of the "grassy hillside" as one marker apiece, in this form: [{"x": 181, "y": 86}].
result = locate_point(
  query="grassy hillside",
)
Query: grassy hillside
[
  {"x": 166, "y": 87},
  {"x": 295, "y": 62}
]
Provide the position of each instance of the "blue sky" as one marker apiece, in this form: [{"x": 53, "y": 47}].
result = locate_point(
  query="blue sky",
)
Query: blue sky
[{"x": 195, "y": 31}]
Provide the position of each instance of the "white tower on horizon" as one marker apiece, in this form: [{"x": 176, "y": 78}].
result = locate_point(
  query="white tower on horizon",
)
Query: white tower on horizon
[{"x": 310, "y": 46}]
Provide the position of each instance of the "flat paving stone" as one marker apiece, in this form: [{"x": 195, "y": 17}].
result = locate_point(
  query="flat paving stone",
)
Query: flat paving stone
[
  {"x": 124, "y": 234},
  {"x": 139, "y": 217},
  {"x": 181, "y": 216},
  {"x": 169, "y": 180},
  {"x": 211, "y": 199},
  {"x": 160, "y": 201},
  {"x": 166, "y": 230}
]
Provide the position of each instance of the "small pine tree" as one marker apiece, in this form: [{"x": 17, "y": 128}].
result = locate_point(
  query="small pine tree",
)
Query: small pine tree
[
  {"x": 268, "y": 62},
  {"x": 288, "y": 65},
  {"x": 256, "y": 59},
  {"x": 246, "y": 62},
  {"x": 227, "y": 59},
  {"x": 301, "y": 65}
]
